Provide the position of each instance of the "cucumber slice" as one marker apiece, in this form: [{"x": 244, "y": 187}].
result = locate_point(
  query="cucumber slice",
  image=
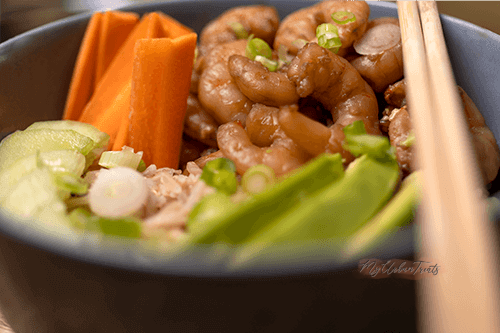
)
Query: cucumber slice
[
  {"x": 32, "y": 194},
  {"x": 60, "y": 161},
  {"x": 23, "y": 143},
  {"x": 100, "y": 138},
  {"x": 36, "y": 198}
]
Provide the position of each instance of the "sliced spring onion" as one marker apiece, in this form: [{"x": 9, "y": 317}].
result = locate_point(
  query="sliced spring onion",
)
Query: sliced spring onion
[
  {"x": 70, "y": 182},
  {"x": 269, "y": 64},
  {"x": 124, "y": 158},
  {"x": 410, "y": 140},
  {"x": 357, "y": 142},
  {"x": 282, "y": 56},
  {"x": 118, "y": 192},
  {"x": 195, "y": 55},
  {"x": 239, "y": 30},
  {"x": 299, "y": 43},
  {"x": 258, "y": 178},
  {"x": 328, "y": 37},
  {"x": 80, "y": 217},
  {"x": 142, "y": 166},
  {"x": 125, "y": 227},
  {"x": 220, "y": 164},
  {"x": 220, "y": 174},
  {"x": 343, "y": 17},
  {"x": 257, "y": 47}
]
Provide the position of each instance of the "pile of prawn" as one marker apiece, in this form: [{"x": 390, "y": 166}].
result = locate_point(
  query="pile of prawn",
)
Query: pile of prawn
[{"x": 240, "y": 110}]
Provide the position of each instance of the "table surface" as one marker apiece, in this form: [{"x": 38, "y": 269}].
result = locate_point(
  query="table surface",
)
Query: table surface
[{"x": 4, "y": 327}]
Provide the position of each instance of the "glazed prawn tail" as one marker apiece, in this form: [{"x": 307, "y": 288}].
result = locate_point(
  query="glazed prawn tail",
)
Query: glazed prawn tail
[
  {"x": 261, "y": 85},
  {"x": 199, "y": 124},
  {"x": 310, "y": 135},
  {"x": 235, "y": 144},
  {"x": 261, "y": 21}
]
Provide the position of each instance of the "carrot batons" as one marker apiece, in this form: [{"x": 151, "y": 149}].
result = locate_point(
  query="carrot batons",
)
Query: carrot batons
[
  {"x": 160, "y": 87},
  {"x": 82, "y": 82},
  {"x": 111, "y": 100},
  {"x": 172, "y": 28},
  {"x": 115, "y": 28},
  {"x": 104, "y": 36}
]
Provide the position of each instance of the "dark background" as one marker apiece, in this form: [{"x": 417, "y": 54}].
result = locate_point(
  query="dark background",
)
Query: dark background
[{"x": 18, "y": 16}]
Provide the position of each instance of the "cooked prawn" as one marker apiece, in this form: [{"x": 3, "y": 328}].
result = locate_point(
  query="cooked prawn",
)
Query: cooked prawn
[
  {"x": 261, "y": 21},
  {"x": 395, "y": 94},
  {"x": 261, "y": 85},
  {"x": 333, "y": 81},
  {"x": 283, "y": 155},
  {"x": 399, "y": 129},
  {"x": 302, "y": 24},
  {"x": 383, "y": 68},
  {"x": 199, "y": 124},
  {"x": 485, "y": 145},
  {"x": 217, "y": 91}
]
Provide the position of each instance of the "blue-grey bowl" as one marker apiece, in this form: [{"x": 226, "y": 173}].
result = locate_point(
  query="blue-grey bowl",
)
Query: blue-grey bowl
[{"x": 51, "y": 285}]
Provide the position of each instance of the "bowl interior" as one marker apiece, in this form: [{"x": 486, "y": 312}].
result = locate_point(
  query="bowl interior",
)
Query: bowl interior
[{"x": 36, "y": 69}]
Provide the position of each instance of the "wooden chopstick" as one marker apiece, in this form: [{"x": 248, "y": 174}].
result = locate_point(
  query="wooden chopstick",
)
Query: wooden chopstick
[{"x": 454, "y": 229}]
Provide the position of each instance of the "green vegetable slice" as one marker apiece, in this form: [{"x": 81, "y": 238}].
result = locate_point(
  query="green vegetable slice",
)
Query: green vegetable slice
[
  {"x": 239, "y": 30},
  {"x": 271, "y": 65},
  {"x": 69, "y": 182},
  {"x": 328, "y": 37},
  {"x": 258, "y": 178},
  {"x": 343, "y": 17},
  {"x": 129, "y": 227},
  {"x": 299, "y": 43},
  {"x": 220, "y": 174},
  {"x": 357, "y": 142},
  {"x": 124, "y": 158},
  {"x": 69, "y": 161},
  {"x": 23, "y": 143},
  {"x": 328, "y": 216},
  {"x": 211, "y": 207},
  {"x": 142, "y": 166},
  {"x": 244, "y": 220},
  {"x": 101, "y": 139},
  {"x": 257, "y": 47},
  {"x": 397, "y": 213},
  {"x": 410, "y": 139},
  {"x": 32, "y": 193}
]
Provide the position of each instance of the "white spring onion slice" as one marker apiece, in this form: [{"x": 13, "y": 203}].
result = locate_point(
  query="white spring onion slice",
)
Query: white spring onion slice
[
  {"x": 269, "y": 64},
  {"x": 239, "y": 30},
  {"x": 258, "y": 178},
  {"x": 378, "y": 39},
  {"x": 124, "y": 158},
  {"x": 118, "y": 192}
]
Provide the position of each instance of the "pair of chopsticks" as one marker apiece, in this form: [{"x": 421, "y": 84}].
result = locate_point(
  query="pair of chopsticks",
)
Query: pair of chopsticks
[{"x": 454, "y": 230}]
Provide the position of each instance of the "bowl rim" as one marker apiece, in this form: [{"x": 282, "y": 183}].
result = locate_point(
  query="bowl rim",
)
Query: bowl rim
[{"x": 116, "y": 254}]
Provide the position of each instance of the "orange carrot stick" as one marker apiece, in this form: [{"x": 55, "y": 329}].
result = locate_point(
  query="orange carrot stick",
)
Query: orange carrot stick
[
  {"x": 111, "y": 100},
  {"x": 122, "y": 135},
  {"x": 172, "y": 28},
  {"x": 82, "y": 82},
  {"x": 160, "y": 87},
  {"x": 115, "y": 28}
]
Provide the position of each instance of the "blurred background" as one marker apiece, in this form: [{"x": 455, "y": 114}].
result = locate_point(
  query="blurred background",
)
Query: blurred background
[{"x": 18, "y": 16}]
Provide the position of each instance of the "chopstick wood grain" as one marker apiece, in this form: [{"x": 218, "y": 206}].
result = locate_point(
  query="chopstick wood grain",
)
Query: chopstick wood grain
[{"x": 454, "y": 229}]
